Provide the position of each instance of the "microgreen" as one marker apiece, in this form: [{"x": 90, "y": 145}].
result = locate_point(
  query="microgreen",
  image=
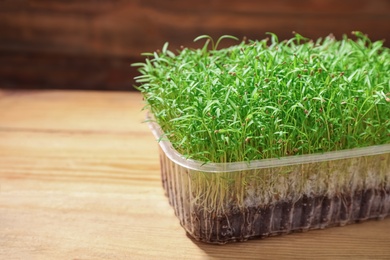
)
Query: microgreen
[{"x": 269, "y": 98}]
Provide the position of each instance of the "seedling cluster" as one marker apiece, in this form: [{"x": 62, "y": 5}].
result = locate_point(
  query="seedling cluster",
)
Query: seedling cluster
[{"x": 270, "y": 98}]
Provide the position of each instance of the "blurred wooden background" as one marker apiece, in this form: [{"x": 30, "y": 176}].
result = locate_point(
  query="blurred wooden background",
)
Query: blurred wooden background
[{"x": 90, "y": 44}]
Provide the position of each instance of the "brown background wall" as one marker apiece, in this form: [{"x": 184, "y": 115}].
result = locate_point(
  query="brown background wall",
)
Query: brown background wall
[{"x": 90, "y": 44}]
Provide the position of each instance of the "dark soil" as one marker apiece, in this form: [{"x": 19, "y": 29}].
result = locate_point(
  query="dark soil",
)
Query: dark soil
[{"x": 309, "y": 212}]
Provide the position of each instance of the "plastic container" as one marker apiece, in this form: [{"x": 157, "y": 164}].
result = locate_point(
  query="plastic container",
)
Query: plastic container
[{"x": 225, "y": 202}]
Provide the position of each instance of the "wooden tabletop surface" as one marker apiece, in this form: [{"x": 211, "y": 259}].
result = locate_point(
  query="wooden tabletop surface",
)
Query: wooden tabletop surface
[{"x": 79, "y": 179}]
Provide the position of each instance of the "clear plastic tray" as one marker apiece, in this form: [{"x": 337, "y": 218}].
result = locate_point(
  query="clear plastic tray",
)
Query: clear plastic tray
[{"x": 225, "y": 202}]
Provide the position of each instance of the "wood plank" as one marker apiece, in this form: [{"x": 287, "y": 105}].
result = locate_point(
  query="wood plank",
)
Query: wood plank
[
  {"x": 75, "y": 111},
  {"x": 31, "y": 70},
  {"x": 140, "y": 26},
  {"x": 282, "y": 6},
  {"x": 79, "y": 179},
  {"x": 89, "y": 44},
  {"x": 88, "y": 7}
]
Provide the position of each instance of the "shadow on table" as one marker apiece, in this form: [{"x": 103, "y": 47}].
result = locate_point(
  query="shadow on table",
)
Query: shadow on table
[{"x": 352, "y": 241}]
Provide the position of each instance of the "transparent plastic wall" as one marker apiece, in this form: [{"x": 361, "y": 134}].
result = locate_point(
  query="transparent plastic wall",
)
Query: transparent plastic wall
[{"x": 219, "y": 203}]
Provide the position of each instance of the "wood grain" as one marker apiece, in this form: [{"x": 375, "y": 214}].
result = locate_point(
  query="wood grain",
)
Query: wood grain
[
  {"x": 79, "y": 179},
  {"x": 90, "y": 44}
]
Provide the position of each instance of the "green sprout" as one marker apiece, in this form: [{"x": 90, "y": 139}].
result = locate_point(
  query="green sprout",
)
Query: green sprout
[{"x": 270, "y": 98}]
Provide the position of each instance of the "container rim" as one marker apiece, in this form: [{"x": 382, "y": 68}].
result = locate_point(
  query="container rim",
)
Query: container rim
[{"x": 178, "y": 158}]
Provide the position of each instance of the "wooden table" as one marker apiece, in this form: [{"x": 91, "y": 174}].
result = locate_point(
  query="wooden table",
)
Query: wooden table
[{"x": 79, "y": 179}]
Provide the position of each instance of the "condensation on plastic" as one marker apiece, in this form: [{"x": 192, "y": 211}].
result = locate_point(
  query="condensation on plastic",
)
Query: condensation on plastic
[{"x": 359, "y": 189}]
